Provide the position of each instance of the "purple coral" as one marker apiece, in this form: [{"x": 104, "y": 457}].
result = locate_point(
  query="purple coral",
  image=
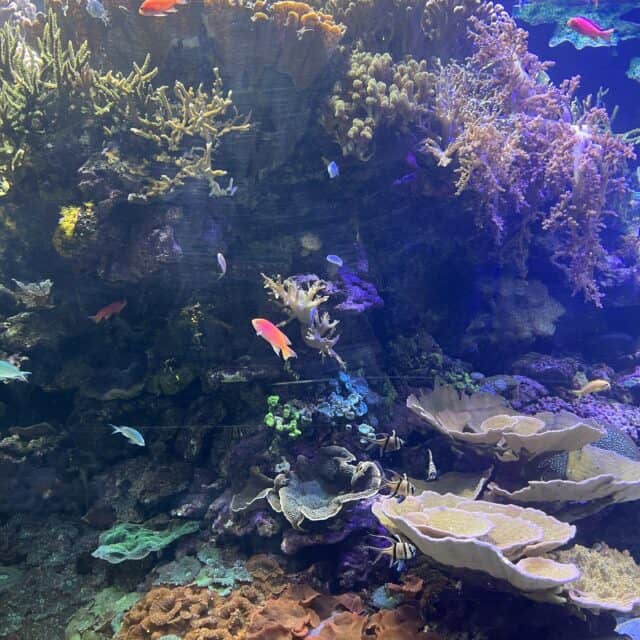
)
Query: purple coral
[{"x": 358, "y": 294}]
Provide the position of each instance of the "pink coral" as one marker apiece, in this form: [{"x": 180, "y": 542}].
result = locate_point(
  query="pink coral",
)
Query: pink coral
[{"x": 530, "y": 152}]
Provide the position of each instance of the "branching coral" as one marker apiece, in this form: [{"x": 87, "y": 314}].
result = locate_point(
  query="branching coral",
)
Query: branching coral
[
  {"x": 375, "y": 94},
  {"x": 300, "y": 297},
  {"x": 46, "y": 91},
  {"x": 519, "y": 146}
]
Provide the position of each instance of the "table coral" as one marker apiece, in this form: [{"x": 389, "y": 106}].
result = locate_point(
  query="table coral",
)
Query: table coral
[
  {"x": 507, "y": 537},
  {"x": 482, "y": 421}
]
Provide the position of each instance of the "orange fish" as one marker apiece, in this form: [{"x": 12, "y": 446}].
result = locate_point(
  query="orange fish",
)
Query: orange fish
[
  {"x": 278, "y": 341},
  {"x": 159, "y": 7},
  {"x": 112, "y": 309}
]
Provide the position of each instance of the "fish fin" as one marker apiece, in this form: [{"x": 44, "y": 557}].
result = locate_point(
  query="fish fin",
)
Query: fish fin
[
  {"x": 276, "y": 349},
  {"x": 171, "y": 10},
  {"x": 154, "y": 14},
  {"x": 94, "y": 318},
  {"x": 576, "y": 392},
  {"x": 608, "y": 34},
  {"x": 288, "y": 352}
]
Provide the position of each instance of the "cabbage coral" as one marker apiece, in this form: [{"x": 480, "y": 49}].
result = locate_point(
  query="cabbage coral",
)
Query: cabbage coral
[{"x": 528, "y": 152}]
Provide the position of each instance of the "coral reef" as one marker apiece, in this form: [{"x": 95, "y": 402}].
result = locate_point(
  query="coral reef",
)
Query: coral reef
[
  {"x": 518, "y": 311},
  {"x": 504, "y": 541},
  {"x": 315, "y": 490},
  {"x": 522, "y": 147},
  {"x": 611, "y": 14},
  {"x": 377, "y": 93},
  {"x": 482, "y": 421},
  {"x": 47, "y": 90},
  {"x": 134, "y": 541}
]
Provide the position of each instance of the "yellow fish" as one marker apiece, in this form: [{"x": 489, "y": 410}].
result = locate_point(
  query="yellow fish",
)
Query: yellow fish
[{"x": 593, "y": 386}]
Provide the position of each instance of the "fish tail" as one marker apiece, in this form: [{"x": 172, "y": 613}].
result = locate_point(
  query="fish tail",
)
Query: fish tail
[
  {"x": 94, "y": 318},
  {"x": 576, "y": 392},
  {"x": 115, "y": 429},
  {"x": 288, "y": 352},
  {"x": 608, "y": 34}
]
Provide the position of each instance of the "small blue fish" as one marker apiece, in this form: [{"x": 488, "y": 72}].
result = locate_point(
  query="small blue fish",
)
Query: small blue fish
[
  {"x": 333, "y": 259},
  {"x": 405, "y": 179},
  {"x": 333, "y": 169},
  {"x": 9, "y": 371},
  {"x": 132, "y": 435}
]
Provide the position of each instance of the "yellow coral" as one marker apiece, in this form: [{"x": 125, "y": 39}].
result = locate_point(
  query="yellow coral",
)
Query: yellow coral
[{"x": 65, "y": 236}]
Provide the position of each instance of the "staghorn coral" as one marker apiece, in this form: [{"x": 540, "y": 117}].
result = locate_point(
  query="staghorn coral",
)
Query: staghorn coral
[
  {"x": 377, "y": 93},
  {"x": 321, "y": 336},
  {"x": 521, "y": 146},
  {"x": 47, "y": 90}
]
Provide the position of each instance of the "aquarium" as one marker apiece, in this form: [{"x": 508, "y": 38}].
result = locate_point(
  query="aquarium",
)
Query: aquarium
[{"x": 319, "y": 320}]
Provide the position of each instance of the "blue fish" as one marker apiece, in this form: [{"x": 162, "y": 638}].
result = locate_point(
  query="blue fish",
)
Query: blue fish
[
  {"x": 132, "y": 435},
  {"x": 9, "y": 371},
  {"x": 333, "y": 169},
  {"x": 405, "y": 179}
]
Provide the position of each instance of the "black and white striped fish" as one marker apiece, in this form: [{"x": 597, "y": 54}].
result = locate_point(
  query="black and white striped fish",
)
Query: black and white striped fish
[
  {"x": 388, "y": 442},
  {"x": 400, "y": 486},
  {"x": 399, "y": 550}
]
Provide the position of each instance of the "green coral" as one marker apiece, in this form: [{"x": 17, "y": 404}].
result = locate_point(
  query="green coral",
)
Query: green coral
[
  {"x": 102, "y": 617},
  {"x": 208, "y": 569},
  {"x": 377, "y": 93},
  {"x": 51, "y": 88},
  {"x": 284, "y": 418},
  {"x": 126, "y": 541}
]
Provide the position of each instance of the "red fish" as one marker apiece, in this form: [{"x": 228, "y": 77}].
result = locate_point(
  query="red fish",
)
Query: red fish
[
  {"x": 112, "y": 309},
  {"x": 159, "y": 7},
  {"x": 278, "y": 341},
  {"x": 589, "y": 28}
]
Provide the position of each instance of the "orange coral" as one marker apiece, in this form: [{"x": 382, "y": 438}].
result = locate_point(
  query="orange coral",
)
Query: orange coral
[
  {"x": 343, "y": 626},
  {"x": 403, "y": 623}
]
